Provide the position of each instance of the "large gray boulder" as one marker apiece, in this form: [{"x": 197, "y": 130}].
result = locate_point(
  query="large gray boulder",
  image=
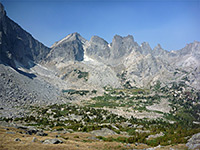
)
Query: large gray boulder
[
  {"x": 194, "y": 142},
  {"x": 52, "y": 141},
  {"x": 103, "y": 132},
  {"x": 41, "y": 133}
]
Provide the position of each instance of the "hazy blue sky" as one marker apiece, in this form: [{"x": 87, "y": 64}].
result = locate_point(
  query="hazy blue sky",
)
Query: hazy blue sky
[{"x": 173, "y": 24}]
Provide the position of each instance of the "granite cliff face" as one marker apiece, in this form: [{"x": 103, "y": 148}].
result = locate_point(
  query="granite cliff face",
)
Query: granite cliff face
[
  {"x": 19, "y": 52},
  {"x": 18, "y": 45}
]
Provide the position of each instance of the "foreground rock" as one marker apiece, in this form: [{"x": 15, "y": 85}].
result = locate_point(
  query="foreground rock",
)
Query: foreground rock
[
  {"x": 52, "y": 141},
  {"x": 194, "y": 142},
  {"x": 31, "y": 131},
  {"x": 155, "y": 136},
  {"x": 10, "y": 132},
  {"x": 34, "y": 139},
  {"x": 41, "y": 134},
  {"x": 17, "y": 139},
  {"x": 103, "y": 132}
]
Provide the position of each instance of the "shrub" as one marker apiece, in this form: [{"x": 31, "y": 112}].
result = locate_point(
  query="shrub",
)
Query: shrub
[
  {"x": 131, "y": 140},
  {"x": 60, "y": 129},
  {"x": 121, "y": 139},
  {"x": 109, "y": 139},
  {"x": 76, "y": 136}
]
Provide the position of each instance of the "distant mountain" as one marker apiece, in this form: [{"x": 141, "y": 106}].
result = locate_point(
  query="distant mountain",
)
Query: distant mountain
[
  {"x": 69, "y": 48},
  {"x": 189, "y": 56}
]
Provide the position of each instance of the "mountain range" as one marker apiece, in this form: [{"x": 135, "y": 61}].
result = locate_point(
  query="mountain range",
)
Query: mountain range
[{"x": 31, "y": 72}]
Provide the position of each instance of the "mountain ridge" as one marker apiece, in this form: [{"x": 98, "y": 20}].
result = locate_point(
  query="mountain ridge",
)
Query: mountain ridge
[{"x": 123, "y": 52}]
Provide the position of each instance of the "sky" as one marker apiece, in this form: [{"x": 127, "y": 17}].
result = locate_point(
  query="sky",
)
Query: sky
[{"x": 171, "y": 23}]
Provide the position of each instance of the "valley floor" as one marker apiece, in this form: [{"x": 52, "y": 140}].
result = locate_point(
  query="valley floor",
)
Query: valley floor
[
  {"x": 145, "y": 119},
  {"x": 71, "y": 141}
]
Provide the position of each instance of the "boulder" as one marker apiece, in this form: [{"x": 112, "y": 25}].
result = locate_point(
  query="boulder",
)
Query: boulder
[
  {"x": 52, "y": 141},
  {"x": 93, "y": 138},
  {"x": 103, "y": 132},
  {"x": 155, "y": 136},
  {"x": 194, "y": 142},
  {"x": 31, "y": 131},
  {"x": 34, "y": 139},
  {"x": 22, "y": 127},
  {"x": 57, "y": 136},
  {"x": 10, "y": 132},
  {"x": 17, "y": 139},
  {"x": 41, "y": 134},
  {"x": 150, "y": 148}
]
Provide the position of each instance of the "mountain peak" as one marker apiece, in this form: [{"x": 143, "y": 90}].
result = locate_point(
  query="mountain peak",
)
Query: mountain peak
[
  {"x": 145, "y": 44},
  {"x": 73, "y": 36},
  {"x": 120, "y": 40},
  {"x": 70, "y": 37},
  {"x": 125, "y": 38},
  {"x": 158, "y": 47},
  {"x": 146, "y": 48},
  {"x": 117, "y": 37},
  {"x": 159, "y": 51},
  {"x": 191, "y": 48},
  {"x": 128, "y": 37},
  {"x": 97, "y": 39}
]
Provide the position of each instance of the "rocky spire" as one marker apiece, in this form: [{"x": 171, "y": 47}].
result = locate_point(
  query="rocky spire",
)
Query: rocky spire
[
  {"x": 97, "y": 39},
  {"x": 120, "y": 40},
  {"x": 146, "y": 48},
  {"x": 159, "y": 51},
  {"x": 129, "y": 38},
  {"x": 122, "y": 46}
]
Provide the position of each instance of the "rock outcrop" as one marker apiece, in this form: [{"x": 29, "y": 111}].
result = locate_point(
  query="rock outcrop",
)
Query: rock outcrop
[
  {"x": 103, "y": 132},
  {"x": 52, "y": 141},
  {"x": 194, "y": 142}
]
